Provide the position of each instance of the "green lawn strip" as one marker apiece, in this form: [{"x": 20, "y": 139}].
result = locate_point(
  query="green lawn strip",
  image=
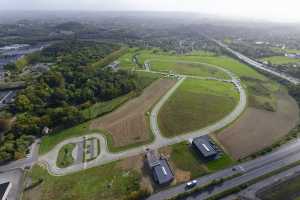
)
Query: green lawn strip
[
  {"x": 187, "y": 68},
  {"x": 193, "y": 163},
  {"x": 65, "y": 158},
  {"x": 279, "y": 60},
  {"x": 195, "y": 105},
  {"x": 110, "y": 58},
  {"x": 102, "y": 108},
  {"x": 48, "y": 142},
  {"x": 105, "y": 182}
]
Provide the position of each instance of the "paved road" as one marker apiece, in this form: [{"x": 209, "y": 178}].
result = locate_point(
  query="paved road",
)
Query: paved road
[
  {"x": 33, "y": 157},
  {"x": 251, "y": 192},
  {"x": 251, "y": 169},
  {"x": 105, "y": 156},
  {"x": 257, "y": 64}
]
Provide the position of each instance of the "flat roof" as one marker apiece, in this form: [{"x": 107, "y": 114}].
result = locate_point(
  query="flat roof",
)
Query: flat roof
[
  {"x": 4, "y": 187},
  {"x": 162, "y": 172},
  {"x": 204, "y": 146}
]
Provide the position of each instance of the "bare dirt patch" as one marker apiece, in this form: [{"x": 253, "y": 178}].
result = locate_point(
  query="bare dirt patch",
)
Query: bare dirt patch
[
  {"x": 128, "y": 124},
  {"x": 257, "y": 129}
]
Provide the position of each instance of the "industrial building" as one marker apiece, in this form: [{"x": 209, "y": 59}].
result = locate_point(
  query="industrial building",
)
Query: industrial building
[
  {"x": 204, "y": 147},
  {"x": 161, "y": 171}
]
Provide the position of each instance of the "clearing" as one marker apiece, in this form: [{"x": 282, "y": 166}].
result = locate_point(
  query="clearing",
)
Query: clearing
[
  {"x": 257, "y": 129},
  {"x": 195, "y": 105},
  {"x": 128, "y": 124}
]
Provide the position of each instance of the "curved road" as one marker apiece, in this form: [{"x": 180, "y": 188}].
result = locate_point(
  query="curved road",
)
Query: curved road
[{"x": 49, "y": 159}]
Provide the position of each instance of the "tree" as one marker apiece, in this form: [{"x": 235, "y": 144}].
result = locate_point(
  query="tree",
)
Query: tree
[
  {"x": 23, "y": 104},
  {"x": 11, "y": 67}
]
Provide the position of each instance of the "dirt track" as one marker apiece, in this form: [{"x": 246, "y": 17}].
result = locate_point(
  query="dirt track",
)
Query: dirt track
[
  {"x": 128, "y": 124},
  {"x": 257, "y": 129}
]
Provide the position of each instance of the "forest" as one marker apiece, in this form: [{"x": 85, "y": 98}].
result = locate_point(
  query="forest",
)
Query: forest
[{"x": 56, "y": 98}]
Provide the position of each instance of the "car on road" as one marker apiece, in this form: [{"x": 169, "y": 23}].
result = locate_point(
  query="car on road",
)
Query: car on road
[{"x": 191, "y": 184}]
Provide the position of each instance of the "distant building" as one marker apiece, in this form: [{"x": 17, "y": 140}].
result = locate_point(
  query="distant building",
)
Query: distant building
[
  {"x": 4, "y": 190},
  {"x": 204, "y": 147},
  {"x": 162, "y": 173}
]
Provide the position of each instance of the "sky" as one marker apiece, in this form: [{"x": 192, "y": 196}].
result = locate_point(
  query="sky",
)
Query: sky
[{"x": 272, "y": 10}]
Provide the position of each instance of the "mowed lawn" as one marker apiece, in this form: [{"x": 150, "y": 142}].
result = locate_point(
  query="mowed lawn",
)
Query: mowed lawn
[
  {"x": 186, "y": 68},
  {"x": 195, "y": 105},
  {"x": 105, "y": 182}
]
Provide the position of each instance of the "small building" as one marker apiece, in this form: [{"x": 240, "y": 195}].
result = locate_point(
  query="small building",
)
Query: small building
[
  {"x": 4, "y": 190},
  {"x": 114, "y": 66},
  {"x": 204, "y": 147},
  {"x": 161, "y": 171}
]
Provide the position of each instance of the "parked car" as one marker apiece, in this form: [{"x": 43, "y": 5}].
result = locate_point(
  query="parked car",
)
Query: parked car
[{"x": 191, "y": 184}]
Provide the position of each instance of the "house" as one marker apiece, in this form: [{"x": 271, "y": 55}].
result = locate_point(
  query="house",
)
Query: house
[
  {"x": 161, "y": 171},
  {"x": 204, "y": 147},
  {"x": 4, "y": 190}
]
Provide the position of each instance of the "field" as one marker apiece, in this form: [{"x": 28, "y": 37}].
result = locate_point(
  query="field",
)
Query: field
[
  {"x": 187, "y": 68},
  {"x": 195, "y": 105},
  {"x": 192, "y": 166},
  {"x": 280, "y": 60},
  {"x": 65, "y": 158},
  {"x": 288, "y": 190},
  {"x": 128, "y": 124},
  {"x": 251, "y": 78},
  {"x": 257, "y": 129},
  {"x": 126, "y": 59},
  {"x": 108, "y": 182}
]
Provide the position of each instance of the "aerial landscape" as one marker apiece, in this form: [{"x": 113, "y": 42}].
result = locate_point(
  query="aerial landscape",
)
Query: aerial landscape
[{"x": 149, "y": 100}]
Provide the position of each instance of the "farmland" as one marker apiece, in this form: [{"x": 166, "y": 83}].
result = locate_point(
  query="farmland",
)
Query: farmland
[
  {"x": 195, "y": 105},
  {"x": 128, "y": 124},
  {"x": 257, "y": 129}
]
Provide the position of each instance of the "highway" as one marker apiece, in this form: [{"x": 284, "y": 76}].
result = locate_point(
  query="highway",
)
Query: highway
[
  {"x": 257, "y": 64},
  {"x": 251, "y": 170}
]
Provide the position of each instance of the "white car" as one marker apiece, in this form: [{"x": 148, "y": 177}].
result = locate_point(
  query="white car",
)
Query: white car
[{"x": 191, "y": 184}]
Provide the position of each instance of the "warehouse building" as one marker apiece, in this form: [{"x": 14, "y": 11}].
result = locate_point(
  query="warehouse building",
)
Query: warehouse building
[
  {"x": 161, "y": 171},
  {"x": 204, "y": 147}
]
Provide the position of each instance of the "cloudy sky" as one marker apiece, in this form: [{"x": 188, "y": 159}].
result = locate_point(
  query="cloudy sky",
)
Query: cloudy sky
[{"x": 275, "y": 10}]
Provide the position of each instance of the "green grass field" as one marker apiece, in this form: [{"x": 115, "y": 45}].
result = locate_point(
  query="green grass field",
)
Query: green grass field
[
  {"x": 65, "y": 158},
  {"x": 205, "y": 57},
  {"x": 280, "y": 60},
  {"x": 187, "y": 68},
  {"x": 105, "y": 182},
  {"x": 195, "y": 105},
  {"x": 192, "y": 162},
  {"x": 126, "y": 59},
  {"x": 286, "y": 190},
  {"x": 276, "y": 49}
]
